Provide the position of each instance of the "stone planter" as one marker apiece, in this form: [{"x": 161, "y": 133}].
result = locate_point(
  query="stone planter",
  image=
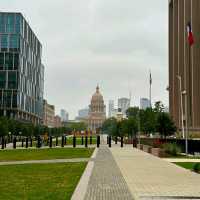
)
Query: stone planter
[
  {"x": 147, "y": 148},
  {"x": 140, "y": 146},
  {"x": 158, "y": 152}
]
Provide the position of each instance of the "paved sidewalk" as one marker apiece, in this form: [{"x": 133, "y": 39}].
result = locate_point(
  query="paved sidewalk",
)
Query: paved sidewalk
[
  {"x": 45, "y": 161},
  {"x": 149, "y": 177},
  {"x": 193, "y": 160}
]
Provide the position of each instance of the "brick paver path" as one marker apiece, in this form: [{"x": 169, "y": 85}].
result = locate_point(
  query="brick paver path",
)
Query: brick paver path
[{"x": 106, "y": 182}]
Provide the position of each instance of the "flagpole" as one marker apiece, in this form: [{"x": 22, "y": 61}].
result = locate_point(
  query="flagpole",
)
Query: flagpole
[{"x": 150, "y": 82}]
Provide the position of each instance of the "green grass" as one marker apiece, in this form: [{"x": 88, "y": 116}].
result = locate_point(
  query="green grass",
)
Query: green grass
[
  {"x": 186, "y": 165},
  {"x": 39, "y": 181},
  {"x": 45, "y": 154}
]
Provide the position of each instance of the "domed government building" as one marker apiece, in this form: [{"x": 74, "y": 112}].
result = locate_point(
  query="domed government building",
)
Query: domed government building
[{"x": 97, "y": 111}]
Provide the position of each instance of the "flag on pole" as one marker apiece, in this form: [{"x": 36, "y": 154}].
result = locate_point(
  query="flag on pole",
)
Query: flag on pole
[
  {"x": 190, "y": 34},
  {"x": 150, "y": 79}
]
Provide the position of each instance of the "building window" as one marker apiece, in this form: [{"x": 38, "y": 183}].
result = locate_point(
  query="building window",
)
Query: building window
[
  {"x": 10, "y": 23},
  {"x": 12, "y": 80},
  {"x": 14, "y": 99},
  {"x": 2, "y": 80},
  {"x": 4, "y": 42},
  {"x": 14, "y": 43},
  {"x": 18, "y": 24},
  {"x": 9, "y": 61},
  {"x": 16, "y": 61},
  {"x": 1, "y": 61}
]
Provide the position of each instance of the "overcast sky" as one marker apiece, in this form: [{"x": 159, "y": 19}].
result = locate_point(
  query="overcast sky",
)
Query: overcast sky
[{"x": 110, "y": 42}]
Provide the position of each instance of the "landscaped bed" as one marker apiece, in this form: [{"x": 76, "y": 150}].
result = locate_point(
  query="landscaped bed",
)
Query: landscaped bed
[
  {"x": 45, "y": 154},
  {"x": 40, "y": 181},
  {"x": 189, "y": 165}
]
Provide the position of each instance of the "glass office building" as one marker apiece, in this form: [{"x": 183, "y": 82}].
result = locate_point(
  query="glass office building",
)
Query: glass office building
[{"x": 21, "y": 70}]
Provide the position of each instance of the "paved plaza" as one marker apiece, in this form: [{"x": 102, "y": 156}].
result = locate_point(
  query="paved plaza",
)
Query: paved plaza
[{"x": 128, "y": 173}]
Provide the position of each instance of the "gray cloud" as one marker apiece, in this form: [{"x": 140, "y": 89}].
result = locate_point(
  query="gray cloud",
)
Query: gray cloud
[{"x": 110, "y": 42}]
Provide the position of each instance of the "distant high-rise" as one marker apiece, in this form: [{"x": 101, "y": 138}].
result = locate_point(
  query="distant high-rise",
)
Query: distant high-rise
[
  {"x": 83, "y": 113},
  {"x": 21, "y": 70},
  {"x": 145, "y": 103},
  {"x": 64, "y": 115},
  {"x": 124, "y": 104},
  {"x": 110, "y": 108},
  {"x": 184, "y": 62}
]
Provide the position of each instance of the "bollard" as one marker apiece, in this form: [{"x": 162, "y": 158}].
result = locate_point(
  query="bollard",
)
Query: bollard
[
  {"x": 82, "y": 142},
  {"x": 65, "y": 140},
  {"x": 62, "y": 143},
  {"x": 14, "y": 142},
  {"x": 122, "y": 142},
  {"x": 50, "y": 141},
  {"x": 2, "y": 142},
  {"x": 22, "y": 142},
  {"x": 116, "y": 140},
  {"x": 31, "y": 142},
  {"x": 26, "y": 142},
  {"x": 5, "y": 143},
  {"x": 90, "y": 139},
  {"x": 74, "y": 141},
  {"x": 38, "y": 142},
  {"x": 98, "y": 141},
  {"x": 56, "y": 141},
  {"x": 109, "y": 140},
  {"x": 86, "y": 141}
]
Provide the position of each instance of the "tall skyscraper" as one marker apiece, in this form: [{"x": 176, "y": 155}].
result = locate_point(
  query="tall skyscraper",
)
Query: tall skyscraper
[
  {"x": 64, "y": 115},
  {"x": 21, "y": 70},
  {"x": 145, "y": 103},
  {"x": 184, "y": 62},
  {"x": 124, "y": 104},
  {"x": 110, "y": 108}
]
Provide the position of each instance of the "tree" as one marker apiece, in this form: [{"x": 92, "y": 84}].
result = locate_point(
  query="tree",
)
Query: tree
[
  {"x": 110, "y": 127},
  {"x": 129, "y": 126},
  {"x": 159, "y": 107},
  {"x": 132, "y": 112},
  {"x": 165, "y": 125},
  {"x": 3, "y": 126}
]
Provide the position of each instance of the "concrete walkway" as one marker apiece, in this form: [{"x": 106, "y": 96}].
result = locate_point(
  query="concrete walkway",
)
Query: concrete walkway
[
  {"x": 45, "y": 161},
  {"x": 149, "y": 177}
]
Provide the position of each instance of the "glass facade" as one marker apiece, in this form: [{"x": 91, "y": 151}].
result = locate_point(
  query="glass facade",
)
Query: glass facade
[{"x": 21, "y": 69}]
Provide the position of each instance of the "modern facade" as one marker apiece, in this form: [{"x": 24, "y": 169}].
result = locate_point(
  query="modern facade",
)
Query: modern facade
[
  {"x": 111, "y": 108},
  {"x": 145, "y": 103},
  {"x": 48, "y": 114},
  {"x": 21, "y": 70},
  {"x": 97, "y": 111},
  {"x": 124, "y": 104},
  {"x": 64, "y": 115},
  {"x": 184, "y": 63}
]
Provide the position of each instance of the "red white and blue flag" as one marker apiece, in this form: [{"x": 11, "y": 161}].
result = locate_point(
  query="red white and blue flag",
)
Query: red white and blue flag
[{"x": 190, "y": 34}]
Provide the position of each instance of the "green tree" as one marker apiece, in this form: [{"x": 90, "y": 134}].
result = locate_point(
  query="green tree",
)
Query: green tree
[
  {"x": 3, "y": 126},
  {"x": 159, "y": 107},
  {"x": 165, "y": 125},
  {"x": 132, "y": 112},
  {"x": 129, "y": 127},
  {"x": 110, "y": 127}
]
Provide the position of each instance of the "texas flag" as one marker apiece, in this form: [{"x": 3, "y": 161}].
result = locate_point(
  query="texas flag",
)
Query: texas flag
[{"x": 190, "y": 34}]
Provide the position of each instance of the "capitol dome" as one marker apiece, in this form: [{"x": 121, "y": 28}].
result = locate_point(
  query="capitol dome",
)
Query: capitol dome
[{"x": 97, "y": 96}]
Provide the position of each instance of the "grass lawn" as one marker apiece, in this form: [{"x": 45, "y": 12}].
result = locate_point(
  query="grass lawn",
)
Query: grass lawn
[
  {"x": 39, "y": 181},
  {"x": 186, "y": 165},
  {"x": 45, "y": 154}
]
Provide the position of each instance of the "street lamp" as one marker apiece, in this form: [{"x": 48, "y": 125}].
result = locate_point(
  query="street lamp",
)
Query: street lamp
[{"x": 181, "y": 93}]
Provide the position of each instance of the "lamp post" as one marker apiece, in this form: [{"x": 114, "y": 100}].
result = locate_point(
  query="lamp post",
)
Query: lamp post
[
  {"x": 182, "y": 118},
  {"x": 184, "y": 131}
]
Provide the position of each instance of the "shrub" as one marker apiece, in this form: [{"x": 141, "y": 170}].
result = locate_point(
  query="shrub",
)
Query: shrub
[
  {"x": 196, "y": 167},
  {"x": 172, "y": 149}
]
